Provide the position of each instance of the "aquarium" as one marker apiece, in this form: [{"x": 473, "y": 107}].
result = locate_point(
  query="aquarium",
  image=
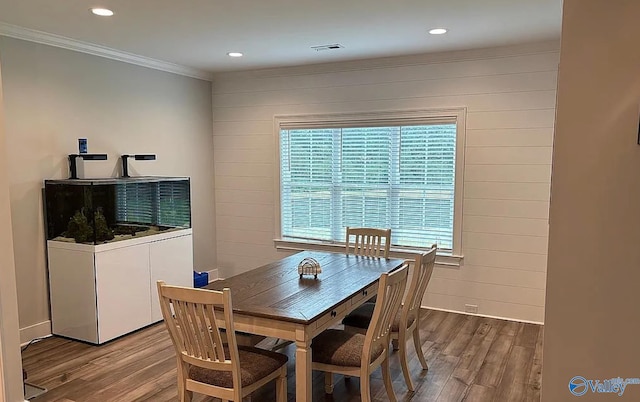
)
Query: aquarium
[{"x": 97, "y": 211}]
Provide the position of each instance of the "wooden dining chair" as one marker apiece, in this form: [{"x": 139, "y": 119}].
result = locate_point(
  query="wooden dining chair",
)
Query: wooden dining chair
[
  {"x": 354, "y": 354},
  {"x": 407, "y": 321},
  {"x": 206, "y": 365},
  {"x": 369, "y": 242}
]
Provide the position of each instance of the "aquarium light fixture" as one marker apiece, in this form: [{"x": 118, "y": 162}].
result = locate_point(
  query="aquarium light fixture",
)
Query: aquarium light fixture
[
  {"x": 138, "y": 157},
  {"x": 73, "y": 168}
]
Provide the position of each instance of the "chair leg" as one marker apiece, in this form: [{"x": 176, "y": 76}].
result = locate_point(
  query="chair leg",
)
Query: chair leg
[
  {"x": 185, "y": 396},
  {"x": 183, "y": 393},
  {"x": 328, "y": 382},
  {"x": 365, "y": 387},
  {"x": 281, "y": 385},
  {"x": 405, "y": 368},
  {"x": 386, "y": 376},
  {"x": 237, "y": 395},
  {"x": 417, "y": 344}
]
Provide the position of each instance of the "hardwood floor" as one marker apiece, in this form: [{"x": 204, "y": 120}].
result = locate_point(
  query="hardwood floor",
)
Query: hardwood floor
[{"x": 470, "y": 359}]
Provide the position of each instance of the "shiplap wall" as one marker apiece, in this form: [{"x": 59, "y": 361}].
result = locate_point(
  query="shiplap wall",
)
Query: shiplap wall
[{"x": 510, "y": 98}]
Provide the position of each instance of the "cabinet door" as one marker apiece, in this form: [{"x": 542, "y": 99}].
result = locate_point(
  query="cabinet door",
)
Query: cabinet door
[
  {"x": 122, "y": 290},
  {"x": 172, "y": 262},
  {"x": 72, "y": 294}
]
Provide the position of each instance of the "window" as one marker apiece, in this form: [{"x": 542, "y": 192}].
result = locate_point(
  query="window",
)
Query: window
[{"x": 381, "y": 170}]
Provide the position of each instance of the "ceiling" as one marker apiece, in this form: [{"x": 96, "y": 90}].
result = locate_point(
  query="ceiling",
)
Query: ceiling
[{"x": 273, "y": 33}]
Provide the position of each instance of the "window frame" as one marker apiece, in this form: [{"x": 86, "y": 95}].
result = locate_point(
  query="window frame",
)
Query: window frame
[{"x": 395, "y": 117}]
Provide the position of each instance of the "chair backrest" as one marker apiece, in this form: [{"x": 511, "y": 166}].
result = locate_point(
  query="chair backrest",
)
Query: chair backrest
[
  {"x": 193, "y": 329},
  {"x": 390, "y": 291},
  {"x": 370, "y": 242},
  {"x": 423, "y": 268}
]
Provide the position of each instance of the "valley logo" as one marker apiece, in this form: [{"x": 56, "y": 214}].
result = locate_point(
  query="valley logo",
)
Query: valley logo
[{"x": 579, "y": 385}]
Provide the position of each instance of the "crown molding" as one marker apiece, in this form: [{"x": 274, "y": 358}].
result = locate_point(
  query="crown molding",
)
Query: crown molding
[{"x": 32, "y": 35}]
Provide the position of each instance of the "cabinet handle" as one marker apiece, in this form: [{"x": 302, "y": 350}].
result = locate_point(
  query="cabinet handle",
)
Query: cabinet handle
[{"x": 333, "y": 313}]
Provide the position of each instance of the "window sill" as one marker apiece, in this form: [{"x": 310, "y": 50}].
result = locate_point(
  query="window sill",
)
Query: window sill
[{"x": 443, "y": 259}]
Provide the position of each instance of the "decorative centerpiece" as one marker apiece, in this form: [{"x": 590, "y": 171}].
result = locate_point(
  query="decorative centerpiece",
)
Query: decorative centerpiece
[{"x": 309, "y": 266}]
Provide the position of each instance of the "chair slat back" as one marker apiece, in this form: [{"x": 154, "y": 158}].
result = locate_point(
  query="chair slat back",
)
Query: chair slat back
[
  {"x": 423, "y": 268},
  {"x": 391, "y": 288},
  {"x": 190, "y": 317},
  {"x": 369, "y": 242}
]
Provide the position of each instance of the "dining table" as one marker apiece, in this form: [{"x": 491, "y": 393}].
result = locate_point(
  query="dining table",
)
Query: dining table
[{"x": 274, "y": 300}]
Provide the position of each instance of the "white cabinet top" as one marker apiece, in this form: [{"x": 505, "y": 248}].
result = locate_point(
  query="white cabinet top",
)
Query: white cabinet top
[{"x": 97, "y": 248}]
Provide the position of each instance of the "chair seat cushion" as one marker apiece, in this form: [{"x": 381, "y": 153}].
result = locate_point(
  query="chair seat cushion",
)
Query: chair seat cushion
[
  {"x": 340, "y": 348},
  {"x": 361, "y": 317},
  {"x": 255, "y": 364}
]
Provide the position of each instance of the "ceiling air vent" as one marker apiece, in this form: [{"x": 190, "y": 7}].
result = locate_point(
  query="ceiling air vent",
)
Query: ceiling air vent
[{"x": 333, "y": 46}]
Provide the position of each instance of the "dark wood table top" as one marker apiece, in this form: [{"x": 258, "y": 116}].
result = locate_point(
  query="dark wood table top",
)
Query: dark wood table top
[{"x": 276, "y": 290}]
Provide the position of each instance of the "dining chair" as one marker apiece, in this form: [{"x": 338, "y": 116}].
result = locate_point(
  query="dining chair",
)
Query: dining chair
[
  {"x": 354, "y": 354},
  {"x": 407, "y": 320},
  {"x": 369, "y": 242},
  {"x": 206, "y": 365}
]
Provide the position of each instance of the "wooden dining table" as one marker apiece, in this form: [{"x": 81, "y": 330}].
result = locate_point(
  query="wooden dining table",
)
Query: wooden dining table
[{"x": 273, "y": 300}]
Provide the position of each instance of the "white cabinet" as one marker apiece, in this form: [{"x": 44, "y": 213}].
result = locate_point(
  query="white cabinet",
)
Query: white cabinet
[
  {"x": 100, "y": 292},
  {"x": 166, "y": 258},
  {"x": 122, "y": 290}
]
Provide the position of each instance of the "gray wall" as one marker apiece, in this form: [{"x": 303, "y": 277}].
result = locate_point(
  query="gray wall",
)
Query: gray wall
[
  {"x": 54, "y": 96},
  {"x": 10, "y": 359},
  {"x": 592, "y": 323}
]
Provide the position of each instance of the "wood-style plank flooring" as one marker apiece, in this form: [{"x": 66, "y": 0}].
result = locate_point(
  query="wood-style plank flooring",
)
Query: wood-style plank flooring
[{"x": 470, "y": 359}]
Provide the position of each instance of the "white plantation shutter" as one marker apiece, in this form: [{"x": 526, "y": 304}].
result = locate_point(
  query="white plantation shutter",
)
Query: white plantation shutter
[
  {"x": 389, "y": 174},
  {"x": 367, "y": 170},
  {"x": 426, "y": 186},
  {"x": 307, "y": 175}
]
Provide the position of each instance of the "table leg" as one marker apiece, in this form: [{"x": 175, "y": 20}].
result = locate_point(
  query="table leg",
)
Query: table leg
[{"x": 303, "y": 371}]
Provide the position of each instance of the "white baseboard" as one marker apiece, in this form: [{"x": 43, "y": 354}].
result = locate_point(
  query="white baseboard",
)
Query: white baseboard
[
  {"x": 213, "y": 275},
  {"x": 40, "y": 330},
  {"x": 482, "y": 315}
]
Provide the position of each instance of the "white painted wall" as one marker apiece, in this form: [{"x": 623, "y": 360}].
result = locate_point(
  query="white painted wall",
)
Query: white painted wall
[
  {"x": 510, "y": 96},
  {"x": 54, "y": 96}
]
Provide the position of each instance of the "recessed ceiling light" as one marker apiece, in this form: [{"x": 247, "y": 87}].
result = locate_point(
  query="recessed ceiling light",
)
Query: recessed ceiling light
[
  {"x": 235, "y": 54},
  {"x": 103, "y": 12},
  {"x": 438, "y": 31}
]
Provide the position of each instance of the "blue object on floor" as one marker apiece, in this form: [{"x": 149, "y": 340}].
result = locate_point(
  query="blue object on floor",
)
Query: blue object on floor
[{"x": 200, "y": 279}]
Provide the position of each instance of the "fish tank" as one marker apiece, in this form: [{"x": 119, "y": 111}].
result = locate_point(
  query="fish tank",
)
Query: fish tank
[{"x": 98, "y": 211}]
